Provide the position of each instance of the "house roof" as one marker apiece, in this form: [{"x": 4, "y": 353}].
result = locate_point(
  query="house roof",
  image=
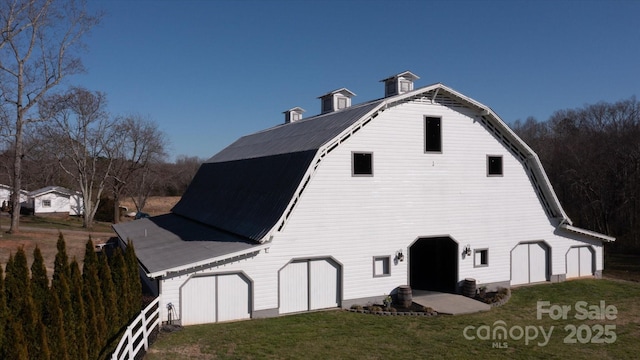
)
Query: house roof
[
  {"x": 50, "y": 189},
  {"x": 167, "y": 242}
]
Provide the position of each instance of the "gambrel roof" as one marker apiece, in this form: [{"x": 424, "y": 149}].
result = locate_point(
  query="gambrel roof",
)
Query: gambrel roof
[{"x": 249, "y": 189}]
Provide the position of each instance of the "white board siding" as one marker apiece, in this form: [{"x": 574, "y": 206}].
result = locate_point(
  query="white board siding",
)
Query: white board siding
[
  {"x": 214, "y": 298},
  {"x": 323, "y": 284},
  {"x": 520, "y": 265},
  {"x": 579, "y": 262},
  {"x": 529, "y": 263},
  {"x": 294, "y": 288},
  {"x": 199, "y": 301},
  {"x": 234, "y": 298},
  {"x": 309, "y": 285},
  {"x": 413, "y": 194}
]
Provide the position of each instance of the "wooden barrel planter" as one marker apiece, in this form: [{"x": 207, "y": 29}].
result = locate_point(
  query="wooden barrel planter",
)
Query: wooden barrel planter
[
  {"x": 405, "y": 297},
  {"x": 469, "y": 287}
]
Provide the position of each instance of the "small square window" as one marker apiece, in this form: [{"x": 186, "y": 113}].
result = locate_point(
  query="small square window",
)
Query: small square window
[
  {"x": 46, "y": 203},
  {"x": 481, "y": 257},
  {"x": 362, "y": 164},
  {"x": 381, "y": 266},
  {"x": 432, "y": 134},
  {"x": 494, "y": 165}
]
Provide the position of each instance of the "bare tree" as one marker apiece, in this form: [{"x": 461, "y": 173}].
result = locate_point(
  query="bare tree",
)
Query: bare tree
[
  {"x": 140, "y": 145},
  {"x": 592, "y": 157},
  {"x": 39, "y": 40},
  {"x": 84, "y": 138}
]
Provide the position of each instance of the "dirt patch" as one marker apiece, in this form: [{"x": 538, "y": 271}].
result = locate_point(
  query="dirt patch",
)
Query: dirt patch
[
  {"x": 156, "y": 205},
  {"x": 46, "y": 240}
]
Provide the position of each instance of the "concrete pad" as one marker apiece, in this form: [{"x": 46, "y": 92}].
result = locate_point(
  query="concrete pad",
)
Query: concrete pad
[{"x": 451, "y": 304}]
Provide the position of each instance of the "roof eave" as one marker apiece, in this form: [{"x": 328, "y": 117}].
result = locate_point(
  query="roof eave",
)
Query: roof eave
[
  {"x": 209, "y": 262},
  {"x": 590, "y": 233}
]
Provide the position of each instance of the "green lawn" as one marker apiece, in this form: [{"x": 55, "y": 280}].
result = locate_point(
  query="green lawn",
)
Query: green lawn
[{"x": 347, "y": 335}]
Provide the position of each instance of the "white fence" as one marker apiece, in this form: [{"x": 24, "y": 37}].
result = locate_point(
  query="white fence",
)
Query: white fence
[{"x": 137, "y": 335}]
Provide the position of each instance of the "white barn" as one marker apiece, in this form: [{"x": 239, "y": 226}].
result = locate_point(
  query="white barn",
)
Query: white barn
[
  {"x": 424, "y": 187},
  {"x": 55, "y": 199}
]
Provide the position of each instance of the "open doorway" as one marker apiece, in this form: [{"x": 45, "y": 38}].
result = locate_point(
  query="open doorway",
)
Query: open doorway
[{"x": 433, "y": 264}]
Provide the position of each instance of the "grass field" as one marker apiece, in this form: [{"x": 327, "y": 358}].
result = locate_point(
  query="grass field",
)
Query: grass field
[{"x": 346, "y": 335}]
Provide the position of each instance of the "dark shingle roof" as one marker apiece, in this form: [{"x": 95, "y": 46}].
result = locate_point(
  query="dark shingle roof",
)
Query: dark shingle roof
[
  {"x": 301, "y": 135},
  {"x": 244, "y": 197},
  {"x": 168, "y": 241}
]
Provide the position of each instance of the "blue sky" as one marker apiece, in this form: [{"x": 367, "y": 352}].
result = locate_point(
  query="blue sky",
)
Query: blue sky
[{"x": 209, "y": 72}]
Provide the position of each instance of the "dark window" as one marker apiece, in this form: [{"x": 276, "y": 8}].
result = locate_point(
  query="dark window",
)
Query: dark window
[
  {"x": 362, "y": 164},
  {"x": 327, "y": 104},
  {"x": 432, "y": 135},
  {"x": 494, "y": 165},
  {"x": 481, "y": 257}
]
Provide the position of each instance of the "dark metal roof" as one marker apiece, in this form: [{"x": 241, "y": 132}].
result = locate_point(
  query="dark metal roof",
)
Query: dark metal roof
[
  {"x": 301, "y": 135},
  {"x": 244, "y": 197},
  {"x": 168, "y": 241}
]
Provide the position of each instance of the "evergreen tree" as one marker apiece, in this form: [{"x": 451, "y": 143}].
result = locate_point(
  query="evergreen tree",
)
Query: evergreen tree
[
  {"x": 79, "y": 313},
  {"x": 93, "y": 294},
  {"x": 20, "y": 301},
  {"x": 94, "y": 342},
  {"x": 55, "y": 325},
  {"x": 60, "y": 287},
  {"x": 61, "y": 264},
  {"x": 18, "y": 348},
  {"x": 109, "y": 297},
  {"x": 133, "y": 271},
  {"x": 120, "y": 283},
  {"x": 39, "y": 282}
]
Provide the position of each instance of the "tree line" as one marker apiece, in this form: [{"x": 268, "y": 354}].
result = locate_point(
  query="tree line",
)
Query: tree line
[
  {"x": 592, "y": 158},
  {"x": 51, "y": 134},
  {"x": 76, "y": 315}
]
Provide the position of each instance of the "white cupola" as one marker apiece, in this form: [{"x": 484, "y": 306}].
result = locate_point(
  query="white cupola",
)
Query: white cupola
[
  {"x": 336, "y": 100},
  {"x": 399, "y": 84},
  {"x": 293, "y": 115}
]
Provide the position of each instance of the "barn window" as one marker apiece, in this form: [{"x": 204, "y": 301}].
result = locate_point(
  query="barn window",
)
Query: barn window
[
  {"x": 480, "y": 257},
  {"x": 362, "y": 164},
  {"x": 494, "y": 165},
  {"x": 432, "y": 134},
  {"x": 46, "y": 203},
  {"x": 381, "y": 266}
]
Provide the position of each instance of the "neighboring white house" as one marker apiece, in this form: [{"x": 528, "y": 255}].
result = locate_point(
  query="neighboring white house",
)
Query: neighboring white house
[
  {"x": 55, "y": 199},
  {"x": 5, "y": 194},
  {"x": 424, "y": 187}
]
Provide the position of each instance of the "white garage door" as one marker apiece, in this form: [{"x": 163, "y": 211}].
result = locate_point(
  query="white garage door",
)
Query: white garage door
[
  {"x": 529, "y": 263},
  {"x": 213, "y": 298},
  {"x": 309, "y": 285},
  {"x": 579, "y": 262}
]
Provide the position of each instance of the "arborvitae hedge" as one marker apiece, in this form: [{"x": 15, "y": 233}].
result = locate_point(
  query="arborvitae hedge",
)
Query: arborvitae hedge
[
  {"x": 135, "y": 284},
  {"x": 75, "y": 316},
  {"x": 111, "y": 311},
  {"x": 39, "y": 281},
  {"x": 79, "y": 314}
]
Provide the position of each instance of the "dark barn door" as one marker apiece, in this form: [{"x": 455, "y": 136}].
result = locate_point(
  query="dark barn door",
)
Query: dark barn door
[{"x": 433, "y": 264}]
